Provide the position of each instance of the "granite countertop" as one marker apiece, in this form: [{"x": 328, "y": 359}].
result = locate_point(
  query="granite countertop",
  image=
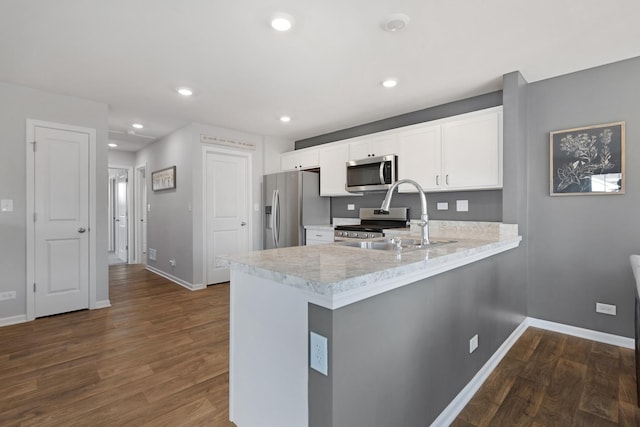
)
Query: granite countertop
[{"x": 337, "y": 271}]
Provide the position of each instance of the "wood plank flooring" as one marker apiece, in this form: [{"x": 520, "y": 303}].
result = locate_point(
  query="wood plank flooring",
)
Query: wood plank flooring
[
  {"x": 159, "y": 357},
  {"x": 550, "y": 379}
]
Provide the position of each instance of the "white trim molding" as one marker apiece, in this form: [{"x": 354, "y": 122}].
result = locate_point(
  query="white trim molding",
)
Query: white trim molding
[
  {"x": 105, "y": 303},
  {"x": 174, "y": 279},
  {"x": 13, "y": 320},
  {"x": 588, "y": 334}
]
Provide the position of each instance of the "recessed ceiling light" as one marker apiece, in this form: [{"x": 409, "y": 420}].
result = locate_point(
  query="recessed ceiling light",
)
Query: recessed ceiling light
[
  {"x": 112, "y": 145},
  {"x": 281, "y": 22},
  {"x": 389, "y": 83},
  {"x": 185, "y": 91},
  {"x": 395, "y": 22},
  {"x": 285, "y": 119},
  {"x": 137, "y": 125}
]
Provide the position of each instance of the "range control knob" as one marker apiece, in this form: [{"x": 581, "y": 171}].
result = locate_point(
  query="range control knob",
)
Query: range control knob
[{"x": 355, "y": 234}]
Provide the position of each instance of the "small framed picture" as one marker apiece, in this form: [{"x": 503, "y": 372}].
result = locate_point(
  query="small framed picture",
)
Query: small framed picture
[
  {"x": 587, "y": 160},
  {"x": 163, "y": 179}
]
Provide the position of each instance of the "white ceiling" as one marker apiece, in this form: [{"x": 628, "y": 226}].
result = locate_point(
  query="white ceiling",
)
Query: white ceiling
[{"x": 325, "y": 73}]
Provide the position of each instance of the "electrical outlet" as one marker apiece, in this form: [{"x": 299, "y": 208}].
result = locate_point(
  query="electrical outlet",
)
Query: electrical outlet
[
  {"x": 351, "y": 207},
  {"x": 473, "y": 343},
  {"x": 7, "y": 295},
  {"x": 462, "y": 205},
  {"x": 609, "y": 309},
  {"x": 318, "y": 346},
  {"x": 442, "y": 206},
  {"x": 152, "y": 254}
]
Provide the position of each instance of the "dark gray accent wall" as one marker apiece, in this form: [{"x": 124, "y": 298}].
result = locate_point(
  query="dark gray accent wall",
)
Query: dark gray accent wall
[
  {"x": 579, "y": 246},
  {"x": 484, "y": 205},
  {"x": 399, "y": 358},
  {"x": 480, "y": 102}
]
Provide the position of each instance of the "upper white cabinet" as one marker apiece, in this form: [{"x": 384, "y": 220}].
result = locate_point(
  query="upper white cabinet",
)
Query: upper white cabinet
[
  {"x": 299, "y": 159},
  {"x": 454, "y": 154},
  {"x": 420, "y": 157},
  {"x": 373, "y": 146},
  {"x": 472, "y": 152},
  {"x": 333, "y": 170}
]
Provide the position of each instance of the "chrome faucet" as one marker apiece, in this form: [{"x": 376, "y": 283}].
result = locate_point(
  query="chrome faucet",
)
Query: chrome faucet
[{"x": 424, "y": 218}]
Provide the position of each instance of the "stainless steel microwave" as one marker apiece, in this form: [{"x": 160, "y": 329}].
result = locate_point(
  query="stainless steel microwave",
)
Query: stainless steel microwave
[{"x": 372, "y": 173}]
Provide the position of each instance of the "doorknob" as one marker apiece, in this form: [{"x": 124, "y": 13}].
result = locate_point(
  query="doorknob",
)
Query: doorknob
[
  {"x": 243, "y": 223},
  {"x": 81, "y": 230}
]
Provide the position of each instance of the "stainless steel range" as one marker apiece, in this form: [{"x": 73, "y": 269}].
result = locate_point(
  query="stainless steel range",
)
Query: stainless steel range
[{"x": 372, "y": 223}]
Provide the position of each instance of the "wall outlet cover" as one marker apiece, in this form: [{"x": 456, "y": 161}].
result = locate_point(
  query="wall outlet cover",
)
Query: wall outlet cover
[
  {"x": 6, "y": 205},
  {"x": 7, "y": 295},
  {"x": 462, "y": 205},
  {"x": 609, "y": 309},
  {"x": 318, "y": 353},
  {"x": 152, "y": 254},
  {"x": 473, "y": 344},
  {"x": 351, "y": 207},
  {"x": 443, "y": 206}
]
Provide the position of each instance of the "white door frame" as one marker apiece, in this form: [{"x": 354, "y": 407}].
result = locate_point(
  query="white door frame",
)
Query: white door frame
[
  {"x": 31, "y": 124},
  {"x": 139, "y": 207},
  {"x": 206, "y": 148},
  {"x": 130, "y": 210}
]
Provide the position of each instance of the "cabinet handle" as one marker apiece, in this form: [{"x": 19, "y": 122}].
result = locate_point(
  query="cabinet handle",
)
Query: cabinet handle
[
  {"x": 437, "y": 179},
  {"x": 447, "y": 179}
]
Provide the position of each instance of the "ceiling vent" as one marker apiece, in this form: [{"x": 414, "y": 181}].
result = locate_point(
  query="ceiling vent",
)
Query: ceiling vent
[{"x": 395, "y": 23}]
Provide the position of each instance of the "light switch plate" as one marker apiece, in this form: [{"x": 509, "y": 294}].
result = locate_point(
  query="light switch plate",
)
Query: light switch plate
[
  {"x": 6, "y": 205},
  {"x": 443, "y": 206},
  {"x": 351, "y": 207},
  {"x": 462, "y": 205}
]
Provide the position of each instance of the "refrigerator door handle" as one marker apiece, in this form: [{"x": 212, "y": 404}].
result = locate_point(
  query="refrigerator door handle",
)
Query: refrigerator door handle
[{"x": 276, "y": 229}]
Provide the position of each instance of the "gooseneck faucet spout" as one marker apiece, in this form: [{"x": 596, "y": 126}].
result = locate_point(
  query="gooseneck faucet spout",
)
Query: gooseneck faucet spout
[{"x": 424, "y": 218}]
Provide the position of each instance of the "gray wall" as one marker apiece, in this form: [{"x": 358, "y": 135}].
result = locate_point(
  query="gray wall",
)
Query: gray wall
[
  {"x": 399, "y": 358},
  {"x": 18, "y": 103},
  {"x": 484, "y": 205},
  {"x": 169, "y": 222},
  {"x": 579, "y": 246},
  {"x": 480, "y": 102}
]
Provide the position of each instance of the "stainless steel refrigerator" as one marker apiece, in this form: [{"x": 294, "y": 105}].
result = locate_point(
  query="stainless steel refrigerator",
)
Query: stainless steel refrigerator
[{"x": 292, "y": 200}]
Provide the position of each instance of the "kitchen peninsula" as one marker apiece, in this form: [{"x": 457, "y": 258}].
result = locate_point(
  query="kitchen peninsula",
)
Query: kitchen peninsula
[{"x": 397, "y": 323}]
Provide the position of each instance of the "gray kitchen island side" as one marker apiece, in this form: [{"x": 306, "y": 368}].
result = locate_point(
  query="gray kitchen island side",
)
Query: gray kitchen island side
[{"x": 398, "y": 328}]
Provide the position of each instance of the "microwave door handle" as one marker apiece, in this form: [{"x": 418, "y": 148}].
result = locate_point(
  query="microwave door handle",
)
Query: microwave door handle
[{"x": 382, "y": 181}]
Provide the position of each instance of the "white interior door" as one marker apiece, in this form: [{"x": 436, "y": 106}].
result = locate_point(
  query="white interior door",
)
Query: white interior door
[
  {"x": 61, "y": 227},
  {"x": 141, "y": 215},
  {"x": 122, "y": 234},
  {"x": 226, "y": 210}
]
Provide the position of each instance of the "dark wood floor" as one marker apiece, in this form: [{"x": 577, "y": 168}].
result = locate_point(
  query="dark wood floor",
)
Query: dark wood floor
[
  {"x": 550, "y": 379},
  {"x": 159, "y": 357}
]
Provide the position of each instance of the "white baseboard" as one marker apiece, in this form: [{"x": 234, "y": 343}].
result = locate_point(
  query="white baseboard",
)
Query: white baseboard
[
  {"x": 174, "y": 279},
  {"x": 12, "y": 320},
  {"x": 105, "y": 303},
  {"x": 588, "y": 334},
  {"x": 454, "y": 408}
]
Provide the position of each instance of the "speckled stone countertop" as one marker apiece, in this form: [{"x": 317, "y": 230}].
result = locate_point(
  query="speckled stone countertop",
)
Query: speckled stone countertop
[{"x": 335, "y": 275}]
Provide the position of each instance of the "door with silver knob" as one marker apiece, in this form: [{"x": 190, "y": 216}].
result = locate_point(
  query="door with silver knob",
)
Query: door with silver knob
[{"x": 81, "y": 230}]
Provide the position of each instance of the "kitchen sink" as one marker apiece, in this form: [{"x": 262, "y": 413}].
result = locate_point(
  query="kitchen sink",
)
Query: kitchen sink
[{"x": 396, "y": 244}]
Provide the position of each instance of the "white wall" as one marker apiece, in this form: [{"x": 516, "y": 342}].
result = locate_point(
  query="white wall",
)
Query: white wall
[
  {"x": 18, "y": 103},
  {"x": 121, "y": 158},
  {"x": 273, "y": 147}
]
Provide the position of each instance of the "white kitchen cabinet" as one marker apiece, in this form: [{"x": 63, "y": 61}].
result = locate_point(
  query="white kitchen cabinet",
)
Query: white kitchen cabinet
[
  {"x": 333, "y": 170},
  {"x": 299, "y": 159},
  {"x": 420, "y": 157},
  {"x": 453, "y": 154},
  {"x": 472, "y": 152},
  {"x": 373, "y": 146},
  {"x": 318, "y": 236}
]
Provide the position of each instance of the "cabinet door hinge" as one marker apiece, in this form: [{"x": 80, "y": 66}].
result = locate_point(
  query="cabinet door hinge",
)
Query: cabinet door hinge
[
  {"x": 34, "y": 287},
  {"x": 33, "y": 144},
  {"x": 35, "y": 217}
]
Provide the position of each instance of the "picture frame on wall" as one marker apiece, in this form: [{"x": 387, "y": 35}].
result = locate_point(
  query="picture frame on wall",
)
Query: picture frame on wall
[
  {"x": 587, "y": 160},
  {"x": 164, "y": 179}
]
